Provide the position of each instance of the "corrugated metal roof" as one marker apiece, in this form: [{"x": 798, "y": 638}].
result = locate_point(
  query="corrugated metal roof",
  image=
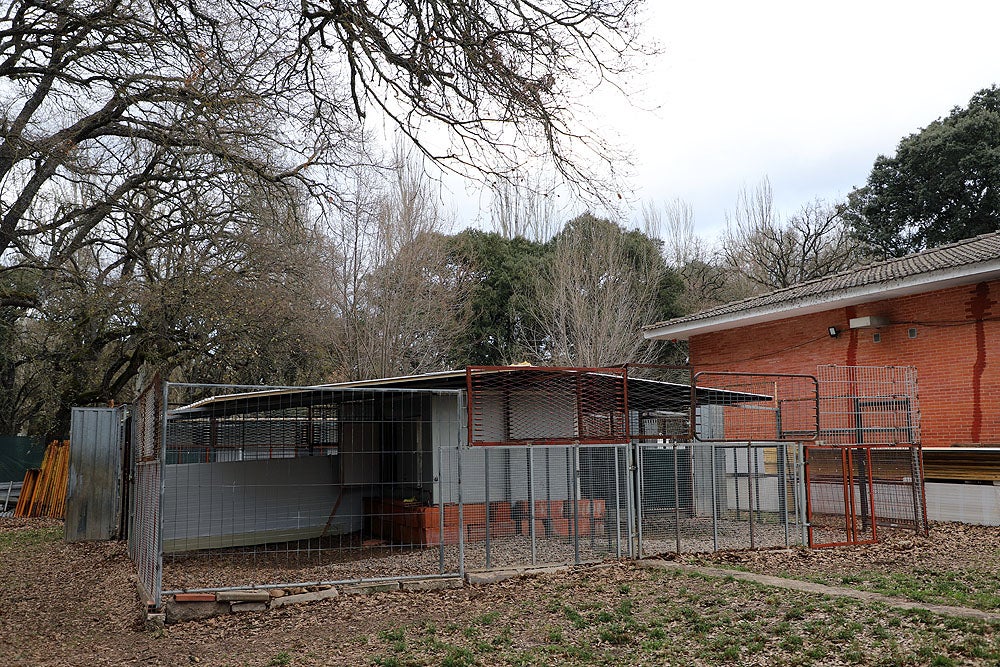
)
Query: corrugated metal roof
[{"x": 951, "y": 262}]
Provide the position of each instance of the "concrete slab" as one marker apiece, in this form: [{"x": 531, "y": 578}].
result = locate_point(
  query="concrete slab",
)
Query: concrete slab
[
  {"x": 491, "y": 577},
  {"x": 177, "y": 612},
  {"x": 302, "y": 598},
  {"x": 368, "y": 589},
  {"x": 432, "y": 584}
]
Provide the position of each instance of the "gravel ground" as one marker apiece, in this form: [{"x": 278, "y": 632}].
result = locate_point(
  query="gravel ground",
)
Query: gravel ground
[
  {"x": 75, "y": 604},
  {"x": 306, "y": 562}
]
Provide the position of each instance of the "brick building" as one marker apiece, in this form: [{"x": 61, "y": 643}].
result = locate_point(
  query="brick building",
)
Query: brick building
[{"x": 938, "y": 310}]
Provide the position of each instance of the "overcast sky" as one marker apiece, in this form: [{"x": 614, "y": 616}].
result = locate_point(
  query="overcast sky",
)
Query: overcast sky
[{"x": 806, "y": 93}]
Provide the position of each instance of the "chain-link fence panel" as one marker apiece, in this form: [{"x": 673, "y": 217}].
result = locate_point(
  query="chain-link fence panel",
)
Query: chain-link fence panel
[
  {"x": 145, "y": 519},
  {"x": 855, "y": 491},
  {"x": 754, "y": 407},
  {"x": 868, "y": 405},
  {"x": 284, "y": 486},
  {"x": 702, "y": 497},
  {"x": 552, "y": 504}
]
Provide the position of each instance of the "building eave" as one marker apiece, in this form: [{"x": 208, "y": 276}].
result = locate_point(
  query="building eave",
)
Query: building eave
[{"x": 927, "y": 282}]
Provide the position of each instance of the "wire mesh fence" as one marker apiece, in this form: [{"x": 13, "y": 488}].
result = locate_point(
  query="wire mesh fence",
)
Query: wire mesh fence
[
  {"x": 701, "y": 497},
  {"x": 144, "y": 525},
  {"x": 515, "y": 405},
  {"x": 553, "y": 504},
  {"x": 660, "y": 402},
  {"x": 309, "y": 483},
  {"x": 853, "y": 491},
  {"x": 868, "y": 405},
  {"x": 283, "y": 486},
  {"x": 747, "y": 407}
]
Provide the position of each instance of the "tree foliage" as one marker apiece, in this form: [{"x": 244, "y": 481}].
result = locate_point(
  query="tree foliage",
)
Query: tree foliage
[
  {"x": 163, "y": 166},
  {"x": 942, "y": 185},
  {"x": 499, "y": 274},
  {"x": 772, "y": 252}
]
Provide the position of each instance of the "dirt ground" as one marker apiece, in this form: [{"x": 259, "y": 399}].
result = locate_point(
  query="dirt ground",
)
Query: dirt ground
[
  {"x": 75, "y": 604},
  {"x": 949, "y": 546}
]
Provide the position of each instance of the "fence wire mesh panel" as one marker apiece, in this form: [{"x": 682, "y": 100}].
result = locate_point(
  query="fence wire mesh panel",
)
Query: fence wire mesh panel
[
  {"x": 660, "y": 402},
  {"x": 552, "y": 504},
  {"x": 308, "y": 484},
  {"x": 855, "y": 491},
  {"x": 145, "y": 520},
  {"x": 899, "y": 487},
  {"x": 521, "y": 405},
  {"x": 701, "y": 497},
  {"x": 746, "y": 407},
  {"x": 868, "y": 405}
]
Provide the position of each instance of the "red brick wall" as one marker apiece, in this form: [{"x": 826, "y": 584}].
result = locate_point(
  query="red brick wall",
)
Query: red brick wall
[{"x": 956, "y": 353}]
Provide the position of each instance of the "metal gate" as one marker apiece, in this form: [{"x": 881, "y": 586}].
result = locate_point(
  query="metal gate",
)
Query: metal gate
[{"x": 852, "y": 491}]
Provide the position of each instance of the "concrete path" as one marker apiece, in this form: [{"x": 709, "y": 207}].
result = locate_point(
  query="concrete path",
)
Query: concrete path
[{"x": 822, "y": 589}]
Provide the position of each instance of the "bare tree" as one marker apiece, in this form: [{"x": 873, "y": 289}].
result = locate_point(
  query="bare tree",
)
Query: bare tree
[
  {"x": 126, "y": 94},
  {"x": 238, "y": 303},
  {"x": 398, "y": 303},
  {"x": 772, "y": 253},
  {"x": 706, "y": 280},
  {"x": 601, "y": 286},
  {"x": 525, "y": 208}
]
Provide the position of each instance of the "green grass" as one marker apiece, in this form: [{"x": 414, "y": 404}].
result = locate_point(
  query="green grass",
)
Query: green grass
[
  {"x": 283, "y": 658},
  {"x": 969, "y": 588},
  {"x": 659, "y": 618},
  {"x": 19, "y": 539}
]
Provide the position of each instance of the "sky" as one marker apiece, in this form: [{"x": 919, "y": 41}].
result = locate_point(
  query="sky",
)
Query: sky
[{"x": 807, "y": 94}]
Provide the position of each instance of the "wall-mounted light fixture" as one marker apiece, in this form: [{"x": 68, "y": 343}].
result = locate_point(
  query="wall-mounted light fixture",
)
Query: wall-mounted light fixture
[{"x": 833, "y": 331}]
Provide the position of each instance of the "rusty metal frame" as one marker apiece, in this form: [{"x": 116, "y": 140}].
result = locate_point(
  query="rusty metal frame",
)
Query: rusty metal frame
[
  {"x": 692, "y": 402},
  {"x": 614, "y": 374},
  {"x": 794, "y": 436},
  {"x": 849, "y": 455}
]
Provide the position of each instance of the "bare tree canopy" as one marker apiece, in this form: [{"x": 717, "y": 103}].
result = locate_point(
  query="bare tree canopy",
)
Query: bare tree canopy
[
  {"x": 772, "y": 253},
  {"x": 600, "y": 286},
  {"x": 111, "y": 96}
]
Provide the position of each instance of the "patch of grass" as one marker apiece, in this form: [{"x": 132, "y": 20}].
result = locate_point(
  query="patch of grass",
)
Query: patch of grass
[
  {"x": 458, "y": 657},
  {"x": 280, "y": 659},
  {"x": 489, "y": 618},
  {"x": 576, "y": 618},
  {"x": 616, "y": 635},
  {"x": 17, "y": 540}
]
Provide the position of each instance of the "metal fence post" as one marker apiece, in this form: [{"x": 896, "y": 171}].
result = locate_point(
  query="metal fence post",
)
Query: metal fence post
[
  {"x": 439, "y": 483},
  {"x": 715, "y": 501},
  {"x": 677, "y": 503},
  {"x": 637, "y": 495},
  {"x": 486, "y": 491},
  {"x": 803, "y": 498},
  {"x": 618, "y": 503},
  {"x": 458, "y": 485},
  {"x": 575, "y": 451},
  {"x": 531, "y": 504},
  {"x": 750, "y": 495}
]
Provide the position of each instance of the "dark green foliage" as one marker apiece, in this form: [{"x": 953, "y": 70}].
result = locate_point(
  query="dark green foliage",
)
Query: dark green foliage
[
  {"x": 943, "y": 184},
  {"x": 499, "y": 273}
]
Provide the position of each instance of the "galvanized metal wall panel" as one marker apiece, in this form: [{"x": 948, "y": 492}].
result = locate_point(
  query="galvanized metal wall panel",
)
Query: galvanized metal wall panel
[{"x": 93, "y": 493}]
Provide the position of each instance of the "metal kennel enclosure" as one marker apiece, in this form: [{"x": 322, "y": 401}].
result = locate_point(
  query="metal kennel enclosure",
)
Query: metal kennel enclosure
[{"x": 442, "y": 474}]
